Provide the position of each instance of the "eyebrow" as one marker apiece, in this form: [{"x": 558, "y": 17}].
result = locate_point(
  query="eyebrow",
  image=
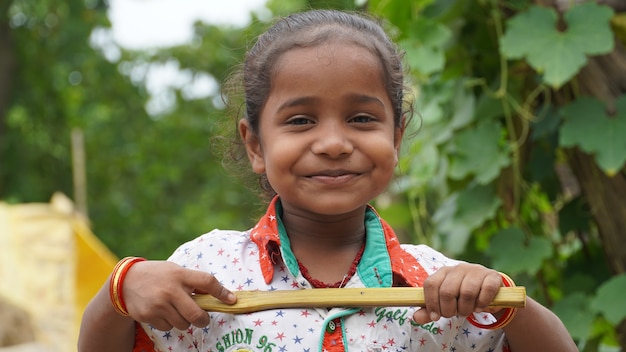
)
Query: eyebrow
[{"x": 353, "y": 98}]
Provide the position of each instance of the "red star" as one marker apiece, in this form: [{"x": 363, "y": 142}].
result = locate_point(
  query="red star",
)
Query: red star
[{"x": 258, "y": 322}]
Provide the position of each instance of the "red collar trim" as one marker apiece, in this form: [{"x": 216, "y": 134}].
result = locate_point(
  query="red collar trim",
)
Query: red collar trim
[{"x": 265, "y": 234}]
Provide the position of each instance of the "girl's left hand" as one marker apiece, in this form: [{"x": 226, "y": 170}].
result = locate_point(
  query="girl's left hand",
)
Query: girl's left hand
[{"x": 458, "y": 291}]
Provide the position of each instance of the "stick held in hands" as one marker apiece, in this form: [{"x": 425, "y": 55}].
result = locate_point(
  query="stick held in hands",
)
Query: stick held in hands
[{"x": 254, "y": 301}]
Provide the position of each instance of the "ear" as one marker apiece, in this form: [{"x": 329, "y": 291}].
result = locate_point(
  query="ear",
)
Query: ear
[
  {"x": 253, "y": 146},
  {"x": 397, "y": 137}
]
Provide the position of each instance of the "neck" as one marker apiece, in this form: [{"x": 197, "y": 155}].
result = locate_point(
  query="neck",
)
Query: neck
[
  {"x": 327, "y": 233},
  {"x": 325, "y": 245}
]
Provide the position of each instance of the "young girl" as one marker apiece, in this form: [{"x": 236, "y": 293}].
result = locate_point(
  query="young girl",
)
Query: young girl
[{"x": 323, "y": 124}]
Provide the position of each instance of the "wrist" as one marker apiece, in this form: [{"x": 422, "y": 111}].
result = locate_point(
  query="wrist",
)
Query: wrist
[
  {"x": 116, "y": 282},
  {"x": 503, "y": 316}
]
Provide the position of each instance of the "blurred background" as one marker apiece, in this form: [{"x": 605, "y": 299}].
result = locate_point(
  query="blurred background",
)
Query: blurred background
[{"x": 111, "y": 120}]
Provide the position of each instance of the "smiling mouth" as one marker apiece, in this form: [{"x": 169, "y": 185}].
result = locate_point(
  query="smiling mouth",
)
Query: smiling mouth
[
  {"x": 334, "y": 176},
  {"x": 334, "y": 173}
]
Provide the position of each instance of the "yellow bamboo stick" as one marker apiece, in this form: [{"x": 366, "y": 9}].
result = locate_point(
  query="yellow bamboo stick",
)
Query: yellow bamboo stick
[{"x": 253, "y": 301}]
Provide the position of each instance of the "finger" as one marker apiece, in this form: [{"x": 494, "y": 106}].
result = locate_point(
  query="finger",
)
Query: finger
[
  {"x": 192, "y": 313},
  {"x": 163, "y": 315},
  {"x": 161, "y": 324},
  {"x": 469, "y": 292},
  {"x": 421, "y": 316},
  {"x": 177, "y": 319},
  {"x": 199, "y": 281},
  {"x": 431, "y": 293},
  {"x": 449, "y": 293},
  {"x": 489, "y": 289}
]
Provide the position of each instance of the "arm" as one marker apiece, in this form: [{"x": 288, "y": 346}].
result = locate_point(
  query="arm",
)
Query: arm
[
  {"x": 102, "y": 329},
  {"x": 535, "y": 328},
  {"x": 467, "y": 288},
  {"x": 155, "y": 292}
]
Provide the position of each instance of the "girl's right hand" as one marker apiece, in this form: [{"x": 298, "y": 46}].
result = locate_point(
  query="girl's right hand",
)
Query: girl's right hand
[{"x": 159, "y": 293}]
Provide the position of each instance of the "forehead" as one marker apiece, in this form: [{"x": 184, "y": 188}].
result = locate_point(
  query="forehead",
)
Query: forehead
[{"x": 329, "y": 65}]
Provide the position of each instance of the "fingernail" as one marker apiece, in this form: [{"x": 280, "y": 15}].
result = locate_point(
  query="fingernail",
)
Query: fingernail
[{"x": 434, "y": 316}]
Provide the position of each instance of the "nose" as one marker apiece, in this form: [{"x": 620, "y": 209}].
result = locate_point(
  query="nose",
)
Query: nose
[{"x": 332, "y": 140}]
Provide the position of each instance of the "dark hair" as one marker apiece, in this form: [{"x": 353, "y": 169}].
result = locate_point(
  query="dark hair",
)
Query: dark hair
[{"x": 309, "y": 29}]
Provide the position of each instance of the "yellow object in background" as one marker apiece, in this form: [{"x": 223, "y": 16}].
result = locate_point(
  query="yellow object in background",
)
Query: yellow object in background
[{"x": 51, "y": 264}]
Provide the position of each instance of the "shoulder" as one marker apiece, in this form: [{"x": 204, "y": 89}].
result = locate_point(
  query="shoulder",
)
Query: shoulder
[
  {"x": 430, "y": 259},
  {"x": 215, "y": 243}
]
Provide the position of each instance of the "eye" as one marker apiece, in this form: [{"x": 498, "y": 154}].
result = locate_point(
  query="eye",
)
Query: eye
[
  {"x": 299, "y": 120},
  {"x": 362, "y": 119}
]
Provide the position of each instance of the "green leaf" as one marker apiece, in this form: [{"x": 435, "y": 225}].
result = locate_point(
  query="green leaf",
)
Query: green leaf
[
  {"x": 609, "y": 300},
  {"x": 558, "y": 55},
  {"x": 477, "y": 151},
  {"x": 607, "y": 142},
  {"x": 575, "y": 313},
  {"x": 424, "y": 45},
  {"x": 463, "y": 212},
  {"x": 421, "y": 164},
  {"x": 513, "y": 254}
]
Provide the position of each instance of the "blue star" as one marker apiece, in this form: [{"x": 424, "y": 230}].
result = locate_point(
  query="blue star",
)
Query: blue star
[
  {"x": 167, "y": 335},
  {"x": 283, "y": 349},
  {"x": 199, "y": 255},
  {"x": 466, "y": 332},
  {"x": 280, "y": 313},
  {"x": 248, "y": 281},
  {"x": 297, "y": 339}
]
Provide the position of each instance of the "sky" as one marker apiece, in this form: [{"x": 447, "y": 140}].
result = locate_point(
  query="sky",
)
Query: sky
[
  {"x": 147, "y": 24},
  {"x": 142, "y": 24}
]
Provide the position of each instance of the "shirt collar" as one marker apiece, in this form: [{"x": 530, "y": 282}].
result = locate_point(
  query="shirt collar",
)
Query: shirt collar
[{"x": 383, "y": 258}]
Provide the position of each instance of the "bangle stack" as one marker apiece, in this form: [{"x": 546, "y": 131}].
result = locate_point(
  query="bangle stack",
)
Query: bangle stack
[
  {"x": 507, "y": 316},
  {"x": 116, "y": 282}
]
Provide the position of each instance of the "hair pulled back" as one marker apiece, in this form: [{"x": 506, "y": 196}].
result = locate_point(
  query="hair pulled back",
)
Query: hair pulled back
[{"x": 310, "y": 29}]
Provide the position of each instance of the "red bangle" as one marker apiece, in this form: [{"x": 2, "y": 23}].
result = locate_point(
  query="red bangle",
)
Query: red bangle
[
  {"x": 117, "y": 280},
  {"x": 507, "y": 316}
]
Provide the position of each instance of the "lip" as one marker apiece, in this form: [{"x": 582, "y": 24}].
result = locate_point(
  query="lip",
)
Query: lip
[
  {"x": 333, "y": 173},
  {"x": 333, "y": 177}
]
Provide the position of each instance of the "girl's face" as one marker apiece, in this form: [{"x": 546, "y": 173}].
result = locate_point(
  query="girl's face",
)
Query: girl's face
[{"x": 327, "y": 140}]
